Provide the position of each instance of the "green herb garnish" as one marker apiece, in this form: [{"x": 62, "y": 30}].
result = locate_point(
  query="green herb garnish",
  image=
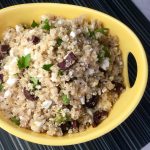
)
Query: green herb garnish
[
  {"x": 46, "y": 25},
  {"x": 65, "y": 99},
  {"x": 24, "y": 61},
  {"x": 61, "y": 119},
  {"x": 103, "y": 54},
  {"x": 102, "y": 30},
  {"x": 15, "y": 120},
  {"x": 34, "y": 24},
  {"x": 59, "y": 41},
  {"x": 47, "y": 67},
  {"x": 1, "y": 87},
  {"x": 34, "y": 81}
]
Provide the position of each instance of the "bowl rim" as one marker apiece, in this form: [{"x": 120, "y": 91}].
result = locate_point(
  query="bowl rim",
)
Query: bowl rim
[{"x": 31, "y": 138}]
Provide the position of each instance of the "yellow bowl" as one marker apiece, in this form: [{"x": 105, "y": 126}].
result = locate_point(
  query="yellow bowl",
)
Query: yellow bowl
[{"x": 129, "y": 43}]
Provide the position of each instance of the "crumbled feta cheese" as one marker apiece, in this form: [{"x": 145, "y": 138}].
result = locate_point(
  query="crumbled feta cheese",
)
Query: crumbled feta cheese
[
  {"x": 82, "y": 99},
  {"x": 54, "y": 77},
  {"x": 39, "y": 123},
  {"x": 11, "y": 81},
  {"x": 46, "y": 104},
  {"x": 11, "y": 67},
  {"x": 105, "y": 64},
  {"x": 26, "y": 51},
  {"x": 19, "y": 28},
  {"x": 32, "y": 31},
  {"x": 72, "y": 34},
  {"x": 7, "y": 94}
]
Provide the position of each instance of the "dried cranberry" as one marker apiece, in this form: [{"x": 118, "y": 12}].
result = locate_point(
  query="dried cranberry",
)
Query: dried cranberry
[
  {"x": 29, "y": 96},
  {"x": 118, "y": 87},
  {"x": 4, "y": 48},
  {"x": 97, "y": 116},
  {"x": 92, "y": 102},
  {"x": 75, "y": 124},
  {"x": 65, "y": 127},
  {"x": 1, "y": 78},
  {"x": 35, "y": 39},
  {"x": 68, "y": 61}
]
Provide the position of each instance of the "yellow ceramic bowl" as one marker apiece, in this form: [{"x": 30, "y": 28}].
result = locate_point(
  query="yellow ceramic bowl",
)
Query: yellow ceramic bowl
[{"x": 128, "y": 43}]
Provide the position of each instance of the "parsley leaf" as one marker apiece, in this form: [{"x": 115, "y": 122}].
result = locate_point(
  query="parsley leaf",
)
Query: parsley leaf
[
  {"x": 61, "y": 118},
  {"x": 46, "y": 25},
  {"x": 65, "y": 99},
  {"x": 24, "y": 61},
  {"x": 34, "y": 81},
  {"x": 47, "y": 67},
  {"x": 34, "y": 24},
  {"x": 103, "y": 53},
  {"x": 102, "y": 30},
  {"x": 59, "y": 41},
  {"x": 1, "y": 87},
  {"x": 15, "y": 120}
]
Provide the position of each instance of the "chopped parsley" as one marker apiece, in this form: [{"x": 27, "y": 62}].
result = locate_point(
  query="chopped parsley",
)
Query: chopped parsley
[
  {"x": 24, "y": 62},
  {"x": 46, "y": 25},
  {"x": 34, "y": 24},
  {"x": 1, "y": 87},
  {"x": 47, "y": 67},
  {"x": 34, "y": 81},
  {"x": 60, "y": 118},
  {"x": 59, "y": 41},
  {"x": 102, "y": 30},
  {"x": 65, "y": 99},
  {"x": 15, "y": 120},
  {"x": 103, "y": 54}
]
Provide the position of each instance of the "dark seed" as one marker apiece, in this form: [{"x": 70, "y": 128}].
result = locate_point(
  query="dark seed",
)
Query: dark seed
[
  {"x": 118, "y": 87},
  {"x": 92, "y": 102},
  {"x": 75, "y": 124},
  {"x": 35, "y": 39},
  {"x": 68, "y": 61},
  {"x": 71, "y": 80},
  {"x": 69, "y": 106},
  {"x": 65, "y": 127},
  {"x": 1, "y": 78},
  {"x": 29, "y": 96},
  {"x": 4, "y": 48},
  {"x": 97, "y": 117}
]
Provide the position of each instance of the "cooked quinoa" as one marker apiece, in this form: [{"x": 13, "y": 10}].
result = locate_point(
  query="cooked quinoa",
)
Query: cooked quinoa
[{"x": 60, "y": 75}]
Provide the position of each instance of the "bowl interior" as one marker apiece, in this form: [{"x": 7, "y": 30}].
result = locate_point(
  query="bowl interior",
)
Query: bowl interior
[{"x": 128, "y": 41}]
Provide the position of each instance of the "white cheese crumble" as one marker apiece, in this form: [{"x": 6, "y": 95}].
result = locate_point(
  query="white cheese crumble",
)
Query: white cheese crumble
[
  {"x": 46, "y": 104},
  {"x": 105, "y": 64},
  {"x": 19, "y": 28},
  {"x": 7, "y": 94},
  {"x": 11, "y": 67},
  {"x": 26, "y": 51},
  {"x": 11, "y": 81},
  {"x": 72, "y": 34}
]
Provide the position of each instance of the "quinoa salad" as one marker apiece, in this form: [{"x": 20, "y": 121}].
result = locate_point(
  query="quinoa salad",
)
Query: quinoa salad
[{"x": 59, "y": 76}]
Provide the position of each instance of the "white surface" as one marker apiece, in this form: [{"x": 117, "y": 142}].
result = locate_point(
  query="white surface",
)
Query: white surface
[{"x": 144, "y": 6}]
